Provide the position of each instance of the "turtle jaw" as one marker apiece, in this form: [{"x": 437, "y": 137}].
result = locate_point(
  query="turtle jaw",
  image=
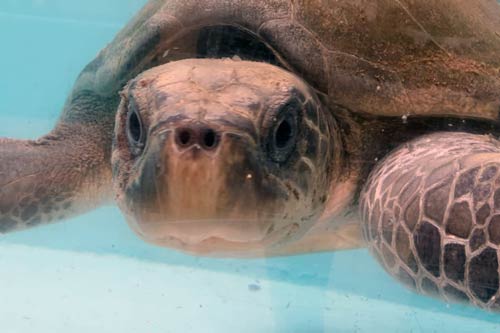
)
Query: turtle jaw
[{"x": 218, "y": 244}]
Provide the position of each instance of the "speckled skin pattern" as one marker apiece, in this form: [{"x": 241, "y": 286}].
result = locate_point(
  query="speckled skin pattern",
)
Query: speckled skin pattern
[{"x": 431, "y": 216}]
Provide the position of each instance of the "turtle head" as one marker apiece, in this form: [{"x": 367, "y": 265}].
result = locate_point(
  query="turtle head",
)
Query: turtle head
[{"x": 221, "y": 156}]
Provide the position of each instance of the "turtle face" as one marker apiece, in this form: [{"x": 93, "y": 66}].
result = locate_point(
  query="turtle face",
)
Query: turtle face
[{"x": 221, "y": 156}]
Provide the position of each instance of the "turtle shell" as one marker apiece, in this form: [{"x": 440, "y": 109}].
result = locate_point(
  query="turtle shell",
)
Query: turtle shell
[{"x": 381, "y": 57}]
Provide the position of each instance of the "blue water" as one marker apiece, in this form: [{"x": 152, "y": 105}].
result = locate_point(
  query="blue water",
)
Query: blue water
[{"x": 92, "y": 274}]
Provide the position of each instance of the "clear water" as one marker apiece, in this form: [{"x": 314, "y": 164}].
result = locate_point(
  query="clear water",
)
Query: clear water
[{"x": 92, "y": 274}]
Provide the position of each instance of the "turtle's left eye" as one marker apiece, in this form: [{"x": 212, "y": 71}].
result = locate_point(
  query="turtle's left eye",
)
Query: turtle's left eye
[
  {"x": 283, "y": 135},
  {"x": 135, "y": 131}
]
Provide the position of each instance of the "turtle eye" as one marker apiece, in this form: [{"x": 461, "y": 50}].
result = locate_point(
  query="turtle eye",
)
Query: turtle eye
[
  {"x": 283, "y": 135},
  {"x": 134, "y": 128}
]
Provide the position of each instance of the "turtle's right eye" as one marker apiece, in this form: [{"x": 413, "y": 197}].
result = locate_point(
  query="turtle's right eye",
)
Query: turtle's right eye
[{"x": 135, "y": 131}]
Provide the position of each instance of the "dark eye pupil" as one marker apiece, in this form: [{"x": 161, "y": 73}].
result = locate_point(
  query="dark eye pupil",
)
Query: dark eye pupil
[
  {"x": 134, "y": 127},
  {"x": 283, "y": 134}
]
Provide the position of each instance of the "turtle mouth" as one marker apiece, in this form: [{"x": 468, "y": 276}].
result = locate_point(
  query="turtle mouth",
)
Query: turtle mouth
[{"x": 221, "y": 237}]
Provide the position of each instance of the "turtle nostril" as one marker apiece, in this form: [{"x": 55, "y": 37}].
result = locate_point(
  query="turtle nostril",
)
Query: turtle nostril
[
  {"x": 210, "y": 139},
  {"x": 184, "y": 137},
  {"x": 201, "y": 136}
]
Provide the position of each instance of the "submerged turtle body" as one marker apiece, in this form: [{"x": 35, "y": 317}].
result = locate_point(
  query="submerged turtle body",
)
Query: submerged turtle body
[{"x": 269, "y": 155}]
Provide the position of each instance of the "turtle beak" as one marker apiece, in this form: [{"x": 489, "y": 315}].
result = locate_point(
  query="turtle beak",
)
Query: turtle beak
[
  {"x": 197, "y": 161},
  {"x": 197, "y": 181}
]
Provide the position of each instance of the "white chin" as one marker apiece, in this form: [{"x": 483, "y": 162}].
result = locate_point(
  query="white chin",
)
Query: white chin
[
  {"x": 197, "y": 231},
  {"x": 219, "y": 238}
]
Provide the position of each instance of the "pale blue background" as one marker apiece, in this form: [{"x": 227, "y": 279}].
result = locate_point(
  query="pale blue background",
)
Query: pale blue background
[{"x": 93, "y": 274}]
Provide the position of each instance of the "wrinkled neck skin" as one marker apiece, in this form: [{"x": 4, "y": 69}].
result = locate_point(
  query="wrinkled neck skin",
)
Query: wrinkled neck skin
[
  {"x": 338, "y": 225},
  {"x": 351, "y": 167}
]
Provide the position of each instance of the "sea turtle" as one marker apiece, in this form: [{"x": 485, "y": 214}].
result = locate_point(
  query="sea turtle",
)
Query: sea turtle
[{"x": 244, "y": 128}]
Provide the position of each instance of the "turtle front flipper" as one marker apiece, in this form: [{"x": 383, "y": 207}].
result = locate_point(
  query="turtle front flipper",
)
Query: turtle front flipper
[
  {"x": 59, "y": 175},
  {"x": 431, "y": 216}
]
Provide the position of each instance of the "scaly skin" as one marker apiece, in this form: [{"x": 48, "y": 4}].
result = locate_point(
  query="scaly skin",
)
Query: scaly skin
[
  {"x": 431, "y": 215},
  {"x": 62, "y": 174}
]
